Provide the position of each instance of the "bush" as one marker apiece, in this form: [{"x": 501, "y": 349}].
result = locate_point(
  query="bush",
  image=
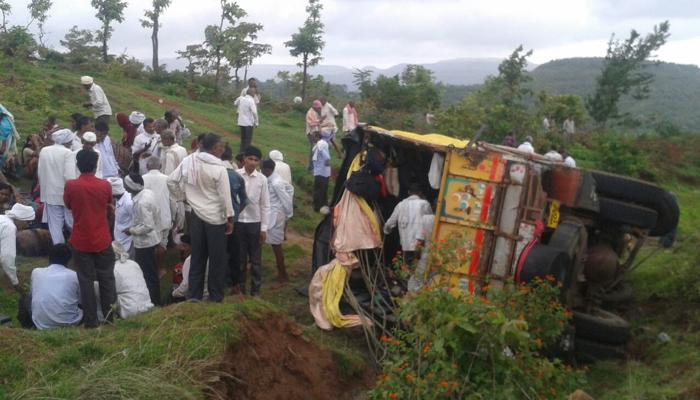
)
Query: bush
[{"x": 485, "y": 347}]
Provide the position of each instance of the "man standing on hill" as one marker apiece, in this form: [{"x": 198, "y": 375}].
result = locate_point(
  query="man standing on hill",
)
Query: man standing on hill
[
  {"x": 247, "y": 117},
  {"x": 350, "y": 119},
  {"x": 157, "y": 182},
  {"x": 201, "y": 179},
  {"x": 281, "y": 168},
  {"x": 328, "y": 124},
  {"x": 108, "y": 166},
  {"x": 98, "y": 100},
  {"x": 252, "y": 84},
  {"x": 171, "y": 153},
  {"x": 569, "y": 128},
  {"x": 88, "y": 198},
  {"x": 54, "y": 167},
  {"x": 281, "y": 210}
]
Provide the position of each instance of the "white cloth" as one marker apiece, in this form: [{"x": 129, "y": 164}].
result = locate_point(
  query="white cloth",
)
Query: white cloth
[
  {"x": 330, "y": 113},
  {"x": 202, "y": 180},
  {"x": 54, "y": 164},
  {"x": 321, "y": 154},
  {"x": 258, "y": 207},
  {"x": 144, "y": 230},
  {"x": 183, "y": 288},
  {"x": 86, "y": 80},
  {"x": 554, "y": 156},
  {"x": 123, "y": 220},
  {"x": 526, "y": 147},
  {"x": 132, "y": 292},
  {"x": 21, "y": 212},
  {"x": 247, "y": 111},
  {"x": 275, "y": 232},
  {"x": 171, "y": 157},
  {"x": 8, "y": 248},
  {"x": 435, "y": 171},
  {"x": 349, "y": 122},
  {"x": 55, "y": 297},
  {"x": 569, "y": 126},
  {"x": 72, "y": 171},
  {"x": 107, "y": 163},
  {"x": 77, "y": 143},
  {"x": 407, "y": 215},
  {"x": 57, "y": 217},
  {"x": 570, "y": 162},
  {"x": 98, "y": 99},
  {"x": 145, "y": 139},
  {"x": 158, "y": 183},
  {"x": 117, "y": 185},
  {"x": 136, "y": 117},
  {"x": 62, "y": 136},
  {"x": 415, "y": 282},
  {"x": 281, "y": 207},
  {"x": 281, "y": 167}
]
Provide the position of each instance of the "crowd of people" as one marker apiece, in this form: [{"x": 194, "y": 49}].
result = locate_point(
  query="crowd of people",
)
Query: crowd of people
[{"x": 114, "y": 209}]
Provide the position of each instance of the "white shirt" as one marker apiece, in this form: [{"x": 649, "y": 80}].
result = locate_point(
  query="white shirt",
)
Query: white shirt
[
  {"x": 55, "y": 297},
  {"x": 123, "y": 219},
  {"x": 132, "y": 292},
  {"x": 554, "y": 156},
  {"x": 145, "y": 231},
  {"x": 8, "y": 247},
  {"x": 142, "y": 140},
  {"x": 100, "y": 104},
  {"x": 348, "y": 119},
  {"x": 284, "y": 171},
  {"x": 171, "y": 157},
  {"x": 258, "y": 207},
  {"x": 107, "y": 162},
  {"x": 426, "y": 232},
  {"x": 407, "y": 215},
  {"x": 281, "y": 195},
  {"x": 569, "y": 126},
  {"x": 256, "y": 97},
  {"x": 570, "y": 162},
  {"x": 202, "y": 180},
  {"x": 158, "y": 184},
  {"x": 247, "y": 111},
  {"x": 72, "y": 171},
  {"x": 54, "y": 163},
  {"x": 183, "y": 288},
  {"x": 330, "y": 113},
  {"x": 527, "y": 148}
]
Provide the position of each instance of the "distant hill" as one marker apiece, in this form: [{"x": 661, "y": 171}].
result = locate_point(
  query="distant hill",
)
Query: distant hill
[{"x": 675, "y": 92}]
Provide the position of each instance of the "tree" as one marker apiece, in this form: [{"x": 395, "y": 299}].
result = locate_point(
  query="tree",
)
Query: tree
[
  {"x": 153, "y": 21},
  {"x": 308, "y": 42},
  {"x": 5, "y": 10},
  {"x": 39, "y": 10},
  {"x": 216, "y": 36},
  {"x": 17, "y": 43},
  {"x": 240, "y": 49},
  {"x": 197, "y": 59},
  {"x": 108, "y": 11},
  {"x": 623, "y": 72},
  {"x": 81, "y": 45}
]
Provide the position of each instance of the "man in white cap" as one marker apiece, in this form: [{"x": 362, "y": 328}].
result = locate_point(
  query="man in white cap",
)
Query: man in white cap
[
  {"x": 171, "y": 154},
  {"x": 123, "y": 215},
  {"x": 89, "y": 141},
  {"x": 18, "y": 215},
  {"x": 136, "y": 118},
  {"x": 54, "y": 165},
  {"x": 281, "y": 168},
  {"x": 526, "y": 146},
  {"x": 98, "y": 100}
]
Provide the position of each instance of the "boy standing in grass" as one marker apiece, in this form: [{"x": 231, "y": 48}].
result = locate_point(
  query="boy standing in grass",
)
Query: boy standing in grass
[{"x": 321, "y": 160}]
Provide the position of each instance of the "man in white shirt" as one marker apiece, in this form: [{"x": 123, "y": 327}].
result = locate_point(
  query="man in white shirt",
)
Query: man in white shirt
[
  {"x": 148, "y": 140},
  {"x": 350, "y": 119},
  {"x": 171, "y": 154},
  {"x": 568, "y": 160},
  {"x": 107, "y": 163},
  {"x": 252, "y": 84},
  {"x": 253, "y": 221},
  {"x": 407, "y": 215},
  {"x": 98, "y": 100},
  {"x": 247, "y": 118},
  {"x": 56, "y": 292},
  {"x": 19, "y": 214},
  {"x": 145, "y": 232},
  {"x": 281, "y": 168},
  {"x": 202, "y": 180},
  {"x": 157, "y": 182},
  {"x": 132, "y": 292},
  {"x": 569, "y": 128},
  {"x": 182, "y": 290},
  {"x": 54, "y": 167},
  {"x": 123, "y": 215},
  {"x": 554, "y": 155},
  {"x": 328, "y": 124},
  {"x": 89, "y": 140},
  {"x": 526, "y": 146},
  {"x": 281, "y": 210}
]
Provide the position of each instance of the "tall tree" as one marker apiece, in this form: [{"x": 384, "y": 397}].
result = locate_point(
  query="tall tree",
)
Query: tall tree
[
  {"x": 197, "y": 60},
  {"x": 216, "y": 36},
  {"x": 108, "y": 11},
  {"x": 153, "y": 21},
  {"x": 623, "y": 72},
  {"x": 5, "y": 10},
  {"x": 240, "y": 48},
  {"x": 308, "y": 42},
  {"x": 39, "y": 10},
  {"x": 81, "y": 45}
]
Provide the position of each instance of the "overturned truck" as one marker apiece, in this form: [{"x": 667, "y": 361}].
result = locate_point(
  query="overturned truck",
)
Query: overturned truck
[{"x": 520, "y": 216}]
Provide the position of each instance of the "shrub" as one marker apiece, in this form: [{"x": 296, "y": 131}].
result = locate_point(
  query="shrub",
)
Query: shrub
[{"x": 459, "y": 346}]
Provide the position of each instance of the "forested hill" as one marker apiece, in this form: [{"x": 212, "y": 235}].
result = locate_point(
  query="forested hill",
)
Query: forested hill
[{"x": 675, "y": 92}]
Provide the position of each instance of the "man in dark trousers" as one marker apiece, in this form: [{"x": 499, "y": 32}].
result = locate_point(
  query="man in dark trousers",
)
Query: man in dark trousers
[{"x": 88, "y": 198}]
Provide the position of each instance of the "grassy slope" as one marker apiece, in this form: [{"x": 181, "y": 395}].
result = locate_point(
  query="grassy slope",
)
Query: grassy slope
[{"x": 160, "y": 344}]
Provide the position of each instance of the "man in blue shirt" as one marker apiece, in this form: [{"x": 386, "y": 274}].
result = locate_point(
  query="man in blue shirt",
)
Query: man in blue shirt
[{"x": 321, "y": 160}]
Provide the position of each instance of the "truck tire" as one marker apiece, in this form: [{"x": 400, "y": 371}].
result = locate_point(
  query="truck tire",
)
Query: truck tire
[
  {"x": 601, "y": 326},
  {"x": 627, "y": 213},
  {"x": 589, "y": 351},
  {"x": 669, "y": 212},
  {"x": 543, "y": 261},
  {"x": 620, "y": 295}
]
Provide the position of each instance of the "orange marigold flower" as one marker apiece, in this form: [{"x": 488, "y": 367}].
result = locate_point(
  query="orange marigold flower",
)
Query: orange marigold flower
[
  {"x": 393, "y": 396},
  {"x": 409, "y": 378},
  {"x": 453, "y": 365},
  {"x": 426, "y": 348},
  {"x": 539, "y": 343},
  {"x": 444, "y": 384},
  {"x": 396, "y": 342}
]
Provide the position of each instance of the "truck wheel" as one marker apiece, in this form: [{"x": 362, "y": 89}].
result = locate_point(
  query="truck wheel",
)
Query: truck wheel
[
  {"x": 589, "y": 351},
  {"x": 627, "y": 213},
  {"x": 619, "y": 295},
  {"x": 668, "y": 215},
  {"x": 543, "y": 261},
  {"x": 601, "y": 326}
]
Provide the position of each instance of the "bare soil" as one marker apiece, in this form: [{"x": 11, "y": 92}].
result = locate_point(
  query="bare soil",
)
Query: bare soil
[{"x": 274, "y": 361}]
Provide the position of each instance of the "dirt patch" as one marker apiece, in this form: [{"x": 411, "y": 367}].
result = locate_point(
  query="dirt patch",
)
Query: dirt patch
[{"x": 274, "y": 361}]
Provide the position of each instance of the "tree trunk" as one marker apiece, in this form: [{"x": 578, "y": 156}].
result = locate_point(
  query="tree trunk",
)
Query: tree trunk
[
  {"x": 154, "y": 41},
  {"x": 303, "y": 77},
  {"x": 105, "y": 31},
  {"x": 235, "y": 76}
]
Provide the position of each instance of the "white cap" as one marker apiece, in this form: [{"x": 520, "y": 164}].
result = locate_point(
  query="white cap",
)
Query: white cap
[
  {"x": 117, "y": 185},
  {"x": 86, "y": 80},
  {"x": 62, "y": 136},
  {"x": 21, "y": 212},
  {"x": 89, "y": 137},
  {"x": 276, "y": 155},
  {"x": 136, "y": 117}
]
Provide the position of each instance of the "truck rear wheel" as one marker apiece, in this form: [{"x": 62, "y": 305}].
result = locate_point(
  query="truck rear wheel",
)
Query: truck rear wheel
[{"x": 602, "y": 326}]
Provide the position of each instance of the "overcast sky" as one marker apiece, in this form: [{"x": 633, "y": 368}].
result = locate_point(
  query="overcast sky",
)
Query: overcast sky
[{"x": 386, "y": 32}]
